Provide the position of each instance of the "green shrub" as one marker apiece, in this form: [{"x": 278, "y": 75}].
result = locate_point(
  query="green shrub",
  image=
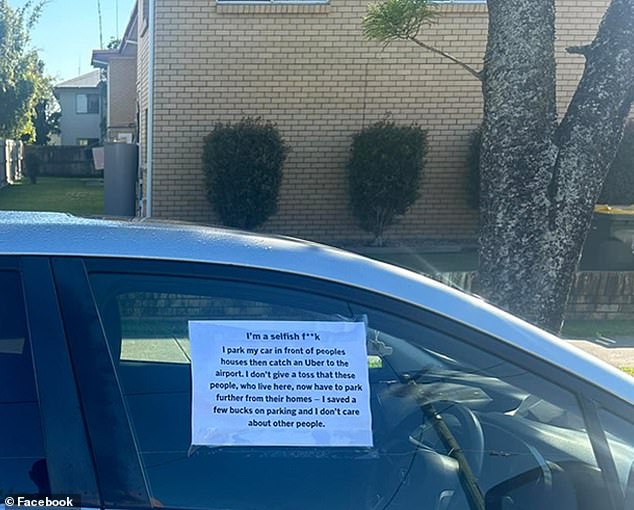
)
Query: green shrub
[
  {"x": 473, "y": 169},
  {"x": 384, "y": 173},
  {"x": 243, "y": 168},
  {"x": 618, "y": 187}
]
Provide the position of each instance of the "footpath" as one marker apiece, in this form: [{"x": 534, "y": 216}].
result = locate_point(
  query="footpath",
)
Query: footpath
[{"x": 615, "y": 351}]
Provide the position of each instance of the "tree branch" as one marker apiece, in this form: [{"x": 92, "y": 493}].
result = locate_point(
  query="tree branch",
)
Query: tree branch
[
  {"x": 587, "y": 141},
  {"x": 471, "y": 70}
]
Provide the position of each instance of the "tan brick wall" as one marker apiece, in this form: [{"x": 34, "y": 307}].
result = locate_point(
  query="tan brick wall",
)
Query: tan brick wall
[
  {"x": 122, "y": 85},
  {"x": 308, "y": 68}
]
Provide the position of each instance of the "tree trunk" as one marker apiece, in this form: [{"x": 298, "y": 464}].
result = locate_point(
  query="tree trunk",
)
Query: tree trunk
[{"x": 541, "y": 181}]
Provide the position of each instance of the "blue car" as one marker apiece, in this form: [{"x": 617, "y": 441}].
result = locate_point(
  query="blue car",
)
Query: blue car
[{"x": 147, "y": 364}]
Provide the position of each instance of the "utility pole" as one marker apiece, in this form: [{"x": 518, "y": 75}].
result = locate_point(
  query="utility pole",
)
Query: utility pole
[{"x": 100, "y": 24}]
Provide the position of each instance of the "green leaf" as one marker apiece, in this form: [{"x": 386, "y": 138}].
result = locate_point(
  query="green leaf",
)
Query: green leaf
[
  {"x": 22, "y": 82},
  {"x": 397, "y": 19}
]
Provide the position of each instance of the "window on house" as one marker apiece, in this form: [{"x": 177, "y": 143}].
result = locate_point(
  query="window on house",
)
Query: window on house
[
  {"x": 87, "y": 103},
  {"x": 87, "y": 142},
  {"x": 273, "y": 1},
  {"x": 326, "y": 1}
]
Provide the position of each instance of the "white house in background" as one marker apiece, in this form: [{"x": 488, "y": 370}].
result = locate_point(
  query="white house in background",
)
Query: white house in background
[{"x": 81, "y": 103}]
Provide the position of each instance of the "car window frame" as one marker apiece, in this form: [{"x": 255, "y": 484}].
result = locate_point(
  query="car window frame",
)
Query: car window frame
[
  {"x": 117, "y": 461},
  {"x": 66, "y": 449},
  {"x": 61, "y": 414},
  {"x": 586, "y": 393}
]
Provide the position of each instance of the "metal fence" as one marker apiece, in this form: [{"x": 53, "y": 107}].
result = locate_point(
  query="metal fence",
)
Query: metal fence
[{"x": 11, "y": 161}]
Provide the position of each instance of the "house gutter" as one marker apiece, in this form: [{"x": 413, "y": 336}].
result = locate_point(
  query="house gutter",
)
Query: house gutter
[{"x": 150, "y": 111}]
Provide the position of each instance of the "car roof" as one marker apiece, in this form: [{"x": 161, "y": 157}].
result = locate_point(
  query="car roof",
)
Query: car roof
[{"x": 63, "y": 234}]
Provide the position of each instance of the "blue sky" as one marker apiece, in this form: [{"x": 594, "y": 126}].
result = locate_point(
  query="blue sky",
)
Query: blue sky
[{"x": 69, "y": 30}]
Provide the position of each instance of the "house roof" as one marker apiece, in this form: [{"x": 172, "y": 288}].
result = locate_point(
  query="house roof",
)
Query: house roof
[
  {"x": 126, "y": 48},
  {"x": 101, "y": 58},
  {"x": 88, "y": 80}
]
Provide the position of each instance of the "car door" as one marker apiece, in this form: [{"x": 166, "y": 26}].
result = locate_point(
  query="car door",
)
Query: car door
[
  {"x": 43, "y": 444},
  {"x": 458, "y": 419}
]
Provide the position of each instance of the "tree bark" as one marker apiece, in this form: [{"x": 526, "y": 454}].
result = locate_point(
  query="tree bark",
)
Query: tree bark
[
  {"x": 517, "y": 152},
  {"x": 540, "y": 181}
]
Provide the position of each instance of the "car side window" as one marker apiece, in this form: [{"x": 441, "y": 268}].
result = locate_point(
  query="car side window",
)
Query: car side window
[
  {"x": 620, "y": 433},
  {"x": 453, "y": 425},
  {"x": 22, "y": 457}
]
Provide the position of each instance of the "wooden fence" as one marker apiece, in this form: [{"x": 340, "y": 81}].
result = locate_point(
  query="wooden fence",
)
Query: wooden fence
[
  {"x": 64, "y": 161},
  {"x": 11, "y": 161},
  {"x": 596, "y": 295}
]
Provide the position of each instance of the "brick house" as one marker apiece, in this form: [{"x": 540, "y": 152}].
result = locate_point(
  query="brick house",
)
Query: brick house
[
  {"x": 120, "y": 65},
  {"x": 306, "y": 66}
]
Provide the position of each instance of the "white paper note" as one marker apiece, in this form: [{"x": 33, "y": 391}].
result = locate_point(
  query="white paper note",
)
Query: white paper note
[{"x": 280, "y": 383}]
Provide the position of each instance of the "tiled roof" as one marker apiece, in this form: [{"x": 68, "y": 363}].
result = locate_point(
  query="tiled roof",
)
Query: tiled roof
[{"x": 87, "y": 80}]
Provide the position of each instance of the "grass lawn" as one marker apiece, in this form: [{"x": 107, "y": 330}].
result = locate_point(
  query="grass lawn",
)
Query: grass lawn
[
  {"x": 590, "y": 329},
  {"x": 628, "y": 370},
  {"x": 55, "y": 194}
]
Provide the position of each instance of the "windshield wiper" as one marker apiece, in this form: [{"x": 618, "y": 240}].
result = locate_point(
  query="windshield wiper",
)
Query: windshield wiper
[{"x": 467, "y": 478}]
